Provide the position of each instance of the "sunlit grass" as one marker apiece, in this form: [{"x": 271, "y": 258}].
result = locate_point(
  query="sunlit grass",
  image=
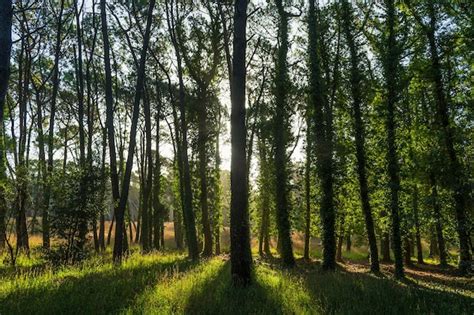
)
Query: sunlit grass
[
  {"x": 163, "y": 283},
  {"x": 208, "y": 290}
]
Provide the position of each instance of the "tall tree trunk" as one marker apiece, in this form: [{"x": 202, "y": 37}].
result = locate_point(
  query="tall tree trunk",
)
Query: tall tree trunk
[
  {"x": 148, "y": 180},
  {"x": 240, "y": 255},
  {"x": 188, "y": 213},
  {"x": 356, "y": 85},
  {"x": 80, "y": 118},
  {"x": 24, "y": 70},
  {"x": 52, "y": 116},
  {"x": 307, "y": 183},
  {"x": 111, "y": 135},
  {"x": 323, "y": 141},
  {"x": 202, "y": 142},
  {"x": 281, "y": 131},
  {"x": 42, "y": 171},
  {"x": 217, "y": 217},
  {"x": 265, "y": 175},
  {"x": 6, "y": 13},
  {"x": 103, "y": 207},
  {"x": 391, "y": 64},
  {"x": 120, "y": 238},
  {"x": 456, "y": 173},
  {"x": 157, "y": 206}
]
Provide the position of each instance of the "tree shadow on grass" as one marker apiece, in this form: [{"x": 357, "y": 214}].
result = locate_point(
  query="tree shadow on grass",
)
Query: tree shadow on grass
[
  {"x": 100, "y": 292},
  {"x": 438, "y": 276},
  {"x": 219, "y": 296},
  {"x": 349, "y": 292}
]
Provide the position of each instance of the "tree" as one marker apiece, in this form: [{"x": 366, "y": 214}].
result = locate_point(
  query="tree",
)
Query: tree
[
  {"x": 183, "y": 164},
  {"x": 456, "y": 177},
  {"x": 203, "y": 65},
  {"x": 6, "y": 13},
  {"x": 280, "y": 126},
  {"x": 390, "y": 62},
  {"x": 356, "y": 86},
  {"x": 240, "y": 255},
  {"x": 323, "y": 140}
]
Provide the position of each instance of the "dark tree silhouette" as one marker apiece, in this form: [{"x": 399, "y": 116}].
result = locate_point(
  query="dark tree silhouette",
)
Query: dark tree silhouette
[
  {"x": 323, "y": 140},
  {"x": 356, "y": 91},
  {"x": 241, "y": 257},
  {"x": 6, "y": 12},
  {"x": 391, "y": 65},
  {"x": 280, "y": 125}
]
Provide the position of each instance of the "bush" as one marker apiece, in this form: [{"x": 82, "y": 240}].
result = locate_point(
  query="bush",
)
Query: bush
[{"x": 75, "y": 202}]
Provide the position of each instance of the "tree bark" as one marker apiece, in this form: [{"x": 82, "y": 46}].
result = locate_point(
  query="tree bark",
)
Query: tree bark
[
  {"x": 307, "y": 182},
  {"x": 241, "y": 257},
  {"x": 281, "y": 132},
  {"x": 391, "y": 64},
  {"x": 323, "y": 141},
  {"x": 148, "y": 180},
  {"x": 385, "y": 245},
  {"x": 265, "y": 195},
  {"x": 202, "y": 141},
  {"x": 80, "y": 119},
  {"x": 158, "y": 215},
  {"x": 6, "y": 13},
  {"x": 356, "y": 86}
]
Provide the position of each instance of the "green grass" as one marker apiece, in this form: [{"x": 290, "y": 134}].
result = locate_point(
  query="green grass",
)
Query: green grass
[
  {"x": 169, "y": 283},
  {"x": 345, "y": 292}
]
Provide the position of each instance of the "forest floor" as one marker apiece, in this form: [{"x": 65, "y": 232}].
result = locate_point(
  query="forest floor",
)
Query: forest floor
[{"x": 167, "y": 282}]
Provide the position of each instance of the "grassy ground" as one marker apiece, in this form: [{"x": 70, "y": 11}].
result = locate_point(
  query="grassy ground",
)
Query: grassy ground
[{"x": 163, "y": 283}]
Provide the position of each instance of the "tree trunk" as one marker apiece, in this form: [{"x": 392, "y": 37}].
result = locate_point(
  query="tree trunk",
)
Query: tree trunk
[
  {"x": 419, "y": 248},
  {"x": 241, "y": 257},
  {"x": 24, "y": 69},
  {"x": 188, "y": 213},
  {"x": 307, "y": 182},
  {"x": 434, "y": 249},
  {"x": 157, "y": 206},
  {"x": 281, "y": 131},
  {"x": 6, "y": 12},
  {"x": 356, "y": 86},
  {"x": 110, "y": 125},
  {"x": 391, "y": 65},
  {"x": 148, "y": 180},
  {"x": 323, "y": 141},
  {"x": 456, "y": 173},
  {"x": 437, "y": 217},
  {"x": 202, "y": 142},
  {"x": 83, "y": 225},
  {"x": 217, "y": 217},
  {"x": 385, "y": 245},
  {"x": 120, "y": 210},
  {"x": 265, "y": 174},
  {"x": 52, "y": 116}
]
